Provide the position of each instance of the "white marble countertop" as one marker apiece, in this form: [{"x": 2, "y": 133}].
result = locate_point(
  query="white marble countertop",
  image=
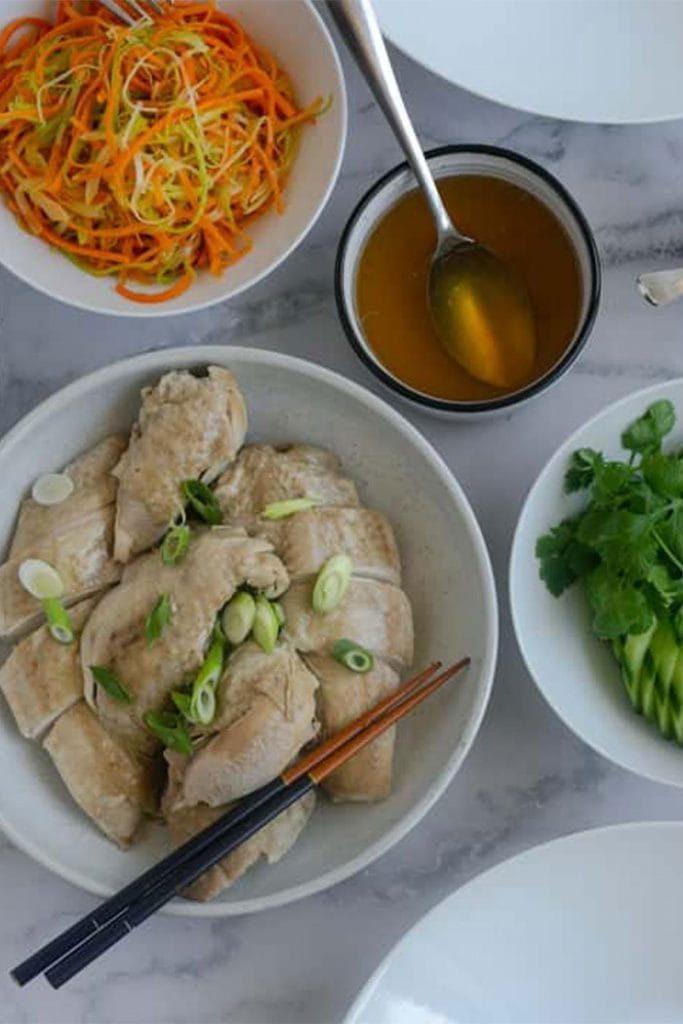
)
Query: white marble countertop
[{"x": 527, "y": 779}]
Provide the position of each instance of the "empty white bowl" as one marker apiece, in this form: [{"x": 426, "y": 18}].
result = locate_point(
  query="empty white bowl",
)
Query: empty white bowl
[
  {"x": 447, "y": 575},
  {"x": 576, "y": 672},
  {"x": 296, "y": 34}
]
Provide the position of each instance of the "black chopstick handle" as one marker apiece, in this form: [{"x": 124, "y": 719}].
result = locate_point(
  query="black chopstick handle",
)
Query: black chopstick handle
[
  {"x": 174, "y": 882},
  {"x": 89, "y": 925}
]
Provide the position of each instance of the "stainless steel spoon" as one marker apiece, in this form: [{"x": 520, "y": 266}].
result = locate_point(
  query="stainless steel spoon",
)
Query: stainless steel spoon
[
  {"x": 480, "y": 309},
  {"x": 661, "y": 286}
]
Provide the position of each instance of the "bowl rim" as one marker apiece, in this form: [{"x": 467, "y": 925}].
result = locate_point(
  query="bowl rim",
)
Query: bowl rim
[
  {"x": 151, "y": 311},
  {"x": 163, "y": 360},
  {"x": 568, "y": 443},
  {"x": 566, "y": 360}
]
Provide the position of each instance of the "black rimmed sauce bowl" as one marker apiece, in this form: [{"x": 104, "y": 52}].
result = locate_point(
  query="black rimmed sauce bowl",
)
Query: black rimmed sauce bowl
[{"x": 470, "y": 164}]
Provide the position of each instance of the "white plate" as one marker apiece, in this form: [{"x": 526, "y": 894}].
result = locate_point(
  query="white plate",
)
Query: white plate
[
  {"x": 297, "y": 35},
  {"x": 613, "y": 61},
  {"x": 447, "y": 576},
  {"x": 582, "y": 930},
  {"x": 574, "y": 671}
]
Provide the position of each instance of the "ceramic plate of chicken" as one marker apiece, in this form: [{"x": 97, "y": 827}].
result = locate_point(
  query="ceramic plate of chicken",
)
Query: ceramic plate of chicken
[{"x": 213, "y": 557}]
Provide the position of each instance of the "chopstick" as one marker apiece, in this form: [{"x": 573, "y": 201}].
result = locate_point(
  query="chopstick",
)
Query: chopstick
[
  {"x": 117, "y": 904},
  {"x": 84, "y": 941}
]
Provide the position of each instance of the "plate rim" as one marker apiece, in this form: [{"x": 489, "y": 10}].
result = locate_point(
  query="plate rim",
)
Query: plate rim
[
  {"x": 515, "y": 548},
  {"x": 576, "y": 838},
  {"x": 430, "y": 66},
  {"x": 164, "y": 359}
]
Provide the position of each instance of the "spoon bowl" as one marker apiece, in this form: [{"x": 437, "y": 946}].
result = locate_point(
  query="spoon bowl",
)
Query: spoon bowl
[{"x": 482, "y": 314}]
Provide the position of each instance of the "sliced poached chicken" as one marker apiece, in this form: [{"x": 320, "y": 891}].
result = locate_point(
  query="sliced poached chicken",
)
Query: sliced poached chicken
[
  {"x": 266, "y": 714},
  {"x": 114, "y": 786},
  {"x": 217, "y": 562},
  {"x": 189, "y": 427},
  {"x": 75, "y": 537}
]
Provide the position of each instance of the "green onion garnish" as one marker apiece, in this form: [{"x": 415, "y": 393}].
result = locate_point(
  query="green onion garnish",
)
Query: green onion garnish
[
  {"x": 203, "y": 501},
  {"x": 212, "y": 666},
  {"x": 352, "y": 656},
  {"x": 237, "y": 618},
  {"x": 158, "y": 619},
  {"x": 266, "y": 625},
  {"x": 111, "y": 683},
  {"x": 168, "y": 728},
  {"x": 58, "y": 620},
  {"x": 182, "y": 702},
  {"x": 331, "y": 584},
  {"x": 175, "y": 544},
  {"x": 282, "y": 509},
  {"x": 279, "y": 612},
  {"x": 203, "y": 704}
]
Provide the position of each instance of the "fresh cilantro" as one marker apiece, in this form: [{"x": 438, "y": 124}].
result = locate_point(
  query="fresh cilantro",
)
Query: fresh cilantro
[
  {"x": 646, "y": 434},
  {"x": 581, "y": 472},
  {"x": 626, "y": 544}
]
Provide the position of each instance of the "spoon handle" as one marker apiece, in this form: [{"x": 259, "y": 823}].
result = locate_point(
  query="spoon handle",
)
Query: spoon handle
[{"x": 358, "y": 25}]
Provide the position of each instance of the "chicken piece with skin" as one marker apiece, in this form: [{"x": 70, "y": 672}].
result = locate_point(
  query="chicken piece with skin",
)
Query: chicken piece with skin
[
  {"x": 272, "y": 842},
  {"x": 75, "y": 537},
  {"x": 373, "y": 614},
  {"x": 189, "y": 427},
  {"x": 262, "y": 475},
  {"x": 342, "y": 697},
  {"x": 306, "y": 540},
  {"x": 42, "y": 678},
  {"x": 266, "y": 713},
  {"x": 217, "y": 562},
  {"x": 112, "y": 785}
]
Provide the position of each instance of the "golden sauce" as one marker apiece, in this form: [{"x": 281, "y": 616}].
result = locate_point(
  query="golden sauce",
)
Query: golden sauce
[{"x": 391, "y": 286}]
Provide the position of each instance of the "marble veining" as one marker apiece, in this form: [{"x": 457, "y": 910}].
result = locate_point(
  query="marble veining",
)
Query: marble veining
[{"x": 527, "y": 779}]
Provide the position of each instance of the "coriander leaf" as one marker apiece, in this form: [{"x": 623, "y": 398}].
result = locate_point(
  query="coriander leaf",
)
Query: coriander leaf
[
  {"x": 667, "y": 585},
  {"x": 618, "y": 607},
  {"x": 612, "y": 482},
  {"x": 664, "y": 474},
  {"x": 645, "y": 434},
  {"x": 563, "y": 558},
  {"x": 581, "y": 471},
  {"x": 623, "y": 540}
]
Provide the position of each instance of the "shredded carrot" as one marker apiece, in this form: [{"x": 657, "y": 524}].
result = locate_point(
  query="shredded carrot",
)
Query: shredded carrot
[{"x": 144, "y": 153}]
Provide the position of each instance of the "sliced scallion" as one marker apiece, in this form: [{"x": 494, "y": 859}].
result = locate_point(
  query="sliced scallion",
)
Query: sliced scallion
[
  {"x": 168, "y": 728},
  {"x": 289, "y": 507},
  {"x": 52, "y": 489},
  {"x": 331, "y": 584},
  {"x": 212, "y": 666},
  {"x": 58, "y": 620},
  {"x": 203, "y": 704},
  {"x": 111, "y": 683},
  {"x": 40, "y": 579},
  {"x": 353, "y": 656},
  {"x": 158, "y": 619},
  {"x": 182, "y": 702},
  {"x": 266, "y": 625},
  {"x": 175, "y": 544},
  {"x": 237, "y": 618},
  {"x": 203, "y": 501},
  {"x": 279, "y": 612}
]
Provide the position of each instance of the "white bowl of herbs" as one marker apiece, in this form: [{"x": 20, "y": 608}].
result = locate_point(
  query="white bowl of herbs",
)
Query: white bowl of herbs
[{"x": 596, "y": 582}]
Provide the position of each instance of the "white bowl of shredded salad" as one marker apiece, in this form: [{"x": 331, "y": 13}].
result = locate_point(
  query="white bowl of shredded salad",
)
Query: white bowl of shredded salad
[{"x": 162, "y": 169}]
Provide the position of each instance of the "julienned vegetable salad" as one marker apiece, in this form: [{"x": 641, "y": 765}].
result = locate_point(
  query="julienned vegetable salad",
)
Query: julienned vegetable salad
[
  {"x": 626, "y": 549},
  {"x": 143, "y": 153}
]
